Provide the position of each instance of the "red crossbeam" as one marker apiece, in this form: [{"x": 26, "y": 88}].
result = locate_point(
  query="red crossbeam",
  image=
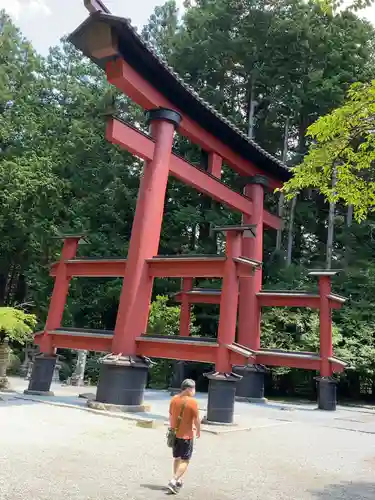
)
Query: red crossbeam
[
  {"x": 186, "y": 268},
  {"x": 288, "y": 361},
  {"x": 266, "y": 299},
  {"x": 66, "y": 341},
  {"x": 159, "y": 267},
  {"x": 287, "y": 299},
  {"x": 184, "y": 350},
  {"x": 269, "y": 299},
  {"x": 199, "y": 298},
  {"x": 180, "y": 350},
  {"x": 126, "y": 79},
  {"x": 142, "y": 146},
  {"x": 105, "y": 268},
  {"x": 292, "y": 361}
]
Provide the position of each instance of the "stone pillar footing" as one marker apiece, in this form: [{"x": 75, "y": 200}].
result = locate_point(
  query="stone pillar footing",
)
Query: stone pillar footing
[
  {"x": 122, "y": 381},
  {"x": 241, "y": 399},
  {"x": 221, "y": 397},
  {"x": 41, "y": 375},
  {"x": 251, "y": 386},
  {"x": 327, "y": 393},
  {"x": 38, "y": 393},
  {"x": 96, "y": 405}
]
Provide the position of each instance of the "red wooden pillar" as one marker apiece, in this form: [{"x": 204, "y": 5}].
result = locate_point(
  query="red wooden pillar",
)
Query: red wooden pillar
[
  {"x": 135, "y": 297},
  {"x": 325, "y": 314},
  {"x": 60, "y": 292},
  {"x": 249, "y": 309},
  {"x": 228, "y": 302},
  {"x": 185, "y": 314}
]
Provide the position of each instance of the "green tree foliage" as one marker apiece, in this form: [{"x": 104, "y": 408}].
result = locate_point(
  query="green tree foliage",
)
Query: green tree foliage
[
  {"x": 164, "y": 319},
  {"x": 16, "y": 326},
  {"x": 298, "y": 56},
  {"x": 343, "y": 141}
]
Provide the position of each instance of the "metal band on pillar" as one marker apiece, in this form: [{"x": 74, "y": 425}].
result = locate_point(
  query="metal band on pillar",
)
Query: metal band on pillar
[
  {"x": 259, "y": 179},
  {"x": 164, "y": 114}
]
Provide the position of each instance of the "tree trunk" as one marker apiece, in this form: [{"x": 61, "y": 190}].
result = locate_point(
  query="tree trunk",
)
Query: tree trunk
[
  {"x": 25, "y": 364},
  {"x": 280, "y": 210},
  {"x": 291, "y": 231},
  {"x": 3, "y": 284},
  {"x": 331, "y": 226},
  {"x": 10, "y": 284},
  {"x": 348, "y": 239},
  {"x": 4, "y": 360},
  {"x": 349, "y": 216},
  {"x": 79, "y": 372},
  {"x": 301, "y": 150},
  {"x": 193, "y": 239},
  {"x": 252, "y": 104}
]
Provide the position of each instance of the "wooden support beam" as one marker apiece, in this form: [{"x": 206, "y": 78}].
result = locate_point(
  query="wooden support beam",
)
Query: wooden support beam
[
  {"x": 125, "y": 78},
  {"x": 141, "y": 145},
  {"x": 177, "y": 349},
  {"x": 92, "y": 268},
  {"x": 196, "y": 297},
  {"x": 288, "y": 359},
  {"x": 246, "y": 267},
  {"x": 215, "y": 163},
  {"x": 296, "y": 299},
  {"x": 286, "y": 299},
  {"x": 189, "y": 267},
  {"x": 69, "y": 341},
  {"x": 266, "y": 299},
  {"x": 95, "y": 6}
]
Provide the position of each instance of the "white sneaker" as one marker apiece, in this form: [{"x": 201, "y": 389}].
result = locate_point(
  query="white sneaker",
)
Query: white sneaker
[{"x": 173, "y": 486}]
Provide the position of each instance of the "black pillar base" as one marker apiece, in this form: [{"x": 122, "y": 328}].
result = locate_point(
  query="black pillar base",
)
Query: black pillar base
[
  {"x": 41, "y": 375},
  {"x": 327, "y": 393},
  {"x": 221, "y": 397},
  {"x": 251, "y": 386},
  {"x": 122, "y": 380},
  {"x": 178, "y": 376}
]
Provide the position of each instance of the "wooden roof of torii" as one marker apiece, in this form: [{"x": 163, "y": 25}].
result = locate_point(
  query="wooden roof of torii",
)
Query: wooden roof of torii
[{"x": 143, "y": 59}]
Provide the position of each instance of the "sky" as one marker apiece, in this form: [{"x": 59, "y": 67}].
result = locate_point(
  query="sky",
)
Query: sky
[{"x": 44, "y": 22}]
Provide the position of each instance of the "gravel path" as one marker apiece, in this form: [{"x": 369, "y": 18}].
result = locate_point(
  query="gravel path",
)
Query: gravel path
[{"x": 48, "y": 452}]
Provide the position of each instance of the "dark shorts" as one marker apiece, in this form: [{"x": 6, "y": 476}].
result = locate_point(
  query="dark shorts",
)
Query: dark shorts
[{"x": 183, "y": 449}]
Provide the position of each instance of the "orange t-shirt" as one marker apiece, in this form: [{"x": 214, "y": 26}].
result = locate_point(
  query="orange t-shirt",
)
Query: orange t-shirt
[{"x": 191, "y": 412}]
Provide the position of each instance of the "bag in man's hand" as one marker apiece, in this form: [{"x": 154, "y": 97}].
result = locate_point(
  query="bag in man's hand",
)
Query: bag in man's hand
[
  {"x": 171, "y": 438},
  {"x": 171, "y": 434}
]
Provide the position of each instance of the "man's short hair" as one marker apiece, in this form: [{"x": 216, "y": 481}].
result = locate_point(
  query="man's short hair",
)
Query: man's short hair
[{"x": 188, "y": 384}]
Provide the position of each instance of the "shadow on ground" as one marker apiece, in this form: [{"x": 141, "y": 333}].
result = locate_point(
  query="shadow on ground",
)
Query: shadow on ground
[
  {"x": 9, "y": 401},
  {"x": 346, "y": 491},
  {"x": 154, "y": 487}
]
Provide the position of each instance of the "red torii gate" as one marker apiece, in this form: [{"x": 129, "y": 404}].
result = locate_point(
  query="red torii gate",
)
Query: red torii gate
[{"x": 129, "y": 65}]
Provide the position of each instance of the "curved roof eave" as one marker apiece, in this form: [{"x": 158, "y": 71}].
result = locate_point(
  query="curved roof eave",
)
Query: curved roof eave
[{"x": 151, "y": 67}]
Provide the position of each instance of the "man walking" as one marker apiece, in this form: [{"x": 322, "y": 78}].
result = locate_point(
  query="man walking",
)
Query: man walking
[{"x": 184, "y": 418}]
